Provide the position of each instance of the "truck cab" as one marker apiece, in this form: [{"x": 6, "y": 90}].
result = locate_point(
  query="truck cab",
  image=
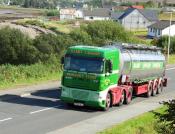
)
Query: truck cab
[{"x": 89, "y": 73}]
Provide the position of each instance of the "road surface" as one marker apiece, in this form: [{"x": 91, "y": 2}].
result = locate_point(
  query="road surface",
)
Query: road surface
[{"x": 43, "y": 112}]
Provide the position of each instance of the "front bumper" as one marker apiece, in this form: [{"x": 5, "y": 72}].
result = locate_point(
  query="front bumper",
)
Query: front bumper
[
  {"x": 86, "y": 97},
  {"x": 94, "y": 104}
]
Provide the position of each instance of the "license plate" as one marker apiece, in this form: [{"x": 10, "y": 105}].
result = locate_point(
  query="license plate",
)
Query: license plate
[{"x": 79, "y": 104}]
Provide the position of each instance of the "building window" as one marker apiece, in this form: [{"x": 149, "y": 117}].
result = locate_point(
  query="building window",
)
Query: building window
[
  {"x": 154, "y": 30},
  {"x": 158, "y": 31},
  {"x": 91, "y": 18}
]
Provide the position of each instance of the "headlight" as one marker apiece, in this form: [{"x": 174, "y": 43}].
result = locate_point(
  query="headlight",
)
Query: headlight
[
  {"x": 68, "y": 77},
  {"x": 97, "y": 96},
  {"x": 64, "y": 92},
  {"x": 102, "y": 95},
  {"x": 96, "y": 81}
]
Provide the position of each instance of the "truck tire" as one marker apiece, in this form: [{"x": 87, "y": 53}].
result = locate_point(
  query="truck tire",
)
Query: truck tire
[
  {"x": 149, "y": 92},
  {"x": 155, "y": 88},
  {"x": 70, "y": 105},
  {"x": 128, "y": 98},
  {"x": 108, "y": 102},
  {"x": 160, "y": 88},
  {"x": 122, "y": 99}
]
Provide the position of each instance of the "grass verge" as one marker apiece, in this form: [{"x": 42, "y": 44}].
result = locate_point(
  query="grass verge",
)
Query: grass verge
[
  {"x": 166, "y": 16},
  {"x": 15, "y": 76},
  {"x": 22, "y": 9},
  {"x": 143, "y": 124},
  {"x": 172, "y": 59},
  {"x": 57, "y": 26}
]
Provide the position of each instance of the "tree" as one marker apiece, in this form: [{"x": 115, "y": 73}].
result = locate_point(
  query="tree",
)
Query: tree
[
  {"x": 100, "y": 33},
  {"x": 49, "y": 45},
  {"x": 166, "y": 120},
  {"x": 81, "y": 37},
  {"x": 16, "y": 48},
  {"x": 163, "y": 43},
  {"x": 107, "y": 31},
  {"x": 49, "y": 4},
  {"x": 17, "y": 2}
]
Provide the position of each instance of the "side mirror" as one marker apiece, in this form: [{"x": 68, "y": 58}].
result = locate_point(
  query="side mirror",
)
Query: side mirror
[
  {"x": 110, "y": 66},
  {"x": 62, "y": 60}
]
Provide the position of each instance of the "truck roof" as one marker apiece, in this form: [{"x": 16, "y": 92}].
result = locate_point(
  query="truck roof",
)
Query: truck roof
[
  {"x": 90, "y": 50},
  {"x": 132, "y": 46}
]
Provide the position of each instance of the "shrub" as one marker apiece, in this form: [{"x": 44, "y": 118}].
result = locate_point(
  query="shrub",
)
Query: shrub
[
  {"x": 52, "y": 12},
  {"x": 49, "y": 44},
  {"x": 16, "y": 48},
  {"x": 11, "y": 74},
  {"x": 81, "y": 37},
  {"x": 163, "y": 43},
  {"x": 166, "y": 121},
  {"x": 35, "y": 23},
  {"x": 101, "y": 32}
]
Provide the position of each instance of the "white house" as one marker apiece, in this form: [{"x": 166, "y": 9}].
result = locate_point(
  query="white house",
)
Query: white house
[
  {"x": 133, "y": 18},
  {"x": 161, "y": 28},
  {"x": 97, "y": 14},
  {"x": 68, "y": 14},
  {"x": 79, "y": 13}
]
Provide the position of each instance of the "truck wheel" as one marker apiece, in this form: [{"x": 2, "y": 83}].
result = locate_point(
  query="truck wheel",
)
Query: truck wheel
[
  {"x": 108, "y": 102},
  {"x": 154, "y": 92},
  {"x": 128, "y": 98},
  {"x": 149, "y": 92},
  {"x": 160, "y": 88},
  {"x": 70, "y": 105},
  {"x": 122, "y": 99}
]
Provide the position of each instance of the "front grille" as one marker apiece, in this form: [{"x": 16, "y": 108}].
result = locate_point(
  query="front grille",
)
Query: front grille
[{"x": 80, "y": 95}]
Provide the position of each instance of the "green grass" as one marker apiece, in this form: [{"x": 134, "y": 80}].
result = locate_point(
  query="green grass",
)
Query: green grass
[
  {"x": 15, "y": 76},
  {"x": 172, "y": 59},
  {"x": 166, "y": 16},
  {"x": 61, "y": 27},
  {"x": 21, "y": 9},
  {"x": 27, "y": 12},
  {"x": 140, "y": 32},
  {"x": 143, "y": 124},
  {"x": 58, "y": 26}
]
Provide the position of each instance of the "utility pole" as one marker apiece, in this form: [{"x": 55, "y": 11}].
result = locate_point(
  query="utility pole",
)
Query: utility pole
[{"x": 169, "y": 37}]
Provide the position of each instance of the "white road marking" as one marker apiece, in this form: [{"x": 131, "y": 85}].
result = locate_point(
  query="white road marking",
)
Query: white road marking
[
  {"x": 45, "y": 109},
  {"x": 5, "y": 119},
  {"x": 25, "y": 95},
  {"x": 170, "y": 68}
]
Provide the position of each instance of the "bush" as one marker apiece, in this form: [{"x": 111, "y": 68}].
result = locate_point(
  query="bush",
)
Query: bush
[
  {"x": 101, "y": 32},
  {"x": 49, "y": 44},
  {"x": 11, "y": 74},
  {"x": 81, "y": 37},
  {"x": 52, "y": 12},
  {"x": 163, "y": 43},
  {"x": 16, "y": 48},
  {"x": 166, "y": 120},
  {"x": 35, "y": 23}
]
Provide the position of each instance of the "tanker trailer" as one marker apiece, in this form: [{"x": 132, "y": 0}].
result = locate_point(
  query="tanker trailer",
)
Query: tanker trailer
[{"x": 111, "y": 75}]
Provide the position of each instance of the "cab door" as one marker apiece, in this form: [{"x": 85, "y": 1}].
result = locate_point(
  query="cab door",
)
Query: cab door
[{"x": 110, "y": 74}]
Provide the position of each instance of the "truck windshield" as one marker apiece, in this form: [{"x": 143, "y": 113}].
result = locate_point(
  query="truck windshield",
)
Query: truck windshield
[{"x": 83, "y": 64}]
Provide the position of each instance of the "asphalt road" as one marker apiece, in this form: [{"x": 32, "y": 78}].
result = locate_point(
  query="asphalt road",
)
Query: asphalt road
[{"x": 43, "y": 112}]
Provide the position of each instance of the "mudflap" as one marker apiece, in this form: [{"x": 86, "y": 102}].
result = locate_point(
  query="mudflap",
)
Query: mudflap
[{"x": 165, "y": 82}]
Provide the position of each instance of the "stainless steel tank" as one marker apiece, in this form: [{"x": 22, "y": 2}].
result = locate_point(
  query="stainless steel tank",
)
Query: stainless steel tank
[{"x": 140, "y": 61}]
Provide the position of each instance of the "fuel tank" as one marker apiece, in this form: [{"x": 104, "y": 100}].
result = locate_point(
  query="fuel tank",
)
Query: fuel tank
[{"x": 140, "y": 61}]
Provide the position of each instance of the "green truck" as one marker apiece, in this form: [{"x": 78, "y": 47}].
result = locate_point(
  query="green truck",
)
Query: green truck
[{"x": 105, "y": 76}]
